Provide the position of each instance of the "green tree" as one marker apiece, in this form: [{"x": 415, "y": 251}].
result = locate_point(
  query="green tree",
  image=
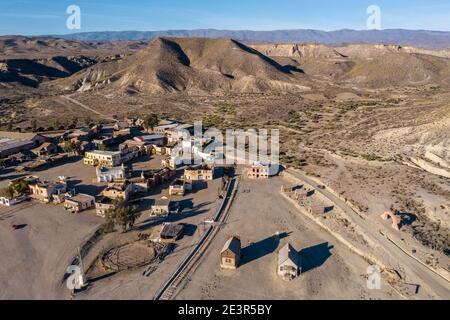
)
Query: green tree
[
  {"x": 109, "y": 225},
  {"x": 15, "y": 188},
  {"x": 151, "y": 121},
  {"x": 68, "y": 147},
  {"x": 122, "y": 214},
  {"x": 77, "y": 147},
  {"x": 20, "y": 187},
  {"x": 7, "y": 192}
]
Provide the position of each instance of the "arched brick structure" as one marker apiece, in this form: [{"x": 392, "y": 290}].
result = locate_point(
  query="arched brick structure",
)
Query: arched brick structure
[{"x": 395, "y": 221}]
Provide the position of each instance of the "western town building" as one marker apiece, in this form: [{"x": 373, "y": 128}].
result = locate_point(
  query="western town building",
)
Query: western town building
[
  {"x": 9, "y": 147},
  {"x": 79, "y": 203},
  {"x": 259, "y": 170},
  {"x": 288, "y": 263},
  {"x": 230, "y": 255},
  {"x": 199, "y": 173},
  {"x": 46, "y": 149},
  {"x": 45, "y": 191},
  {"x": 103, "y": 205},
  {"x": 163, "y": 128},
  {"x": 103, "y": 158},
  {"x": 171, "y": 232},
  {"x": 139, "y": 185},
  {"x": 131, "y": 151},
  {"x": 163, "y": 207},
  {"x": 152, "y": 139},
  {"x": 82, "y": 134},
  {"x": 105, "y": 174},
  {"x": 118, "y": 191},
  {"x": 179, "y": 187},
  {"x": 160, "y": 151},
  {"x": 11, "y": 201}
]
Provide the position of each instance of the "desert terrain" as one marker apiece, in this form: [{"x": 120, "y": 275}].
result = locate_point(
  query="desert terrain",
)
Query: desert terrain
[{"x": 371, "y": 123}]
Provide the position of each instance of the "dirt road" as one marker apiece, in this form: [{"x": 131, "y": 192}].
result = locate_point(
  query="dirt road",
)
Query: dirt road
[
  {"x": 68, "y": 98},
  {"x": 418, "y": 271}
]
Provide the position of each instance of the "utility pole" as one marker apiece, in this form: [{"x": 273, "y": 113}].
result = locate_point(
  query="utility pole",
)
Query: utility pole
[{"x": 82, "y": 275}]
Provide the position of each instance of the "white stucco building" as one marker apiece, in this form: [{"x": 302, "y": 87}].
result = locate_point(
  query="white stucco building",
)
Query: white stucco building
[{"x": 105, "y": 174}]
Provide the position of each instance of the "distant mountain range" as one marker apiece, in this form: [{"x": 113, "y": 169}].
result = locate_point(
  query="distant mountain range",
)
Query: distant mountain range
[{"x": 418, "y": 38}]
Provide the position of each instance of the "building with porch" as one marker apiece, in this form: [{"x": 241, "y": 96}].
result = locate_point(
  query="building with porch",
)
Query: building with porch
[
  {"x": 288, "y": 263},
  {"x": 230, "y": 255},
  {"x": 79, "y": 203},
  {"x": 103, "y": 158}
]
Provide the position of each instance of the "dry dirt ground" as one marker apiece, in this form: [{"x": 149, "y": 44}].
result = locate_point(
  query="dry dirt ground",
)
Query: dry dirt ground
[
  {"x": 199, "y": 205},
  {"x": 360, "y": 142},
  {"x": 331, "y": 271},
  {"x": 35, "y": 257},
  {"x": 375, "y": 133}
]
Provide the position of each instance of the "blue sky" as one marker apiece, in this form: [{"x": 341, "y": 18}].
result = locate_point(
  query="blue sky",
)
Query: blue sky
[{"x": 35, "y": 17}]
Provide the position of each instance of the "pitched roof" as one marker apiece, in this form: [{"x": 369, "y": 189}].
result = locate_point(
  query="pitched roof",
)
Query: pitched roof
[
  {"x": 202, "y": 166},
  {"x": 6, "y": 144},
  {"x": 19, "y": 135},
  {"x": 80, "y": 198},
  {"x": 288, "y": 254},
  {"x": 171, "y": 230},
  {"x": 44, "y": 146},
  {"x": 233, "y": 244}
]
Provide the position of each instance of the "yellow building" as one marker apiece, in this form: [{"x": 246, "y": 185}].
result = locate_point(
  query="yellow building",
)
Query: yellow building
[
  {"x": 103, "y": 158},
  {"x": 45, "y": 191},
  {"x": 118, "y": 191},
  {"x": 199, "y": 173}
]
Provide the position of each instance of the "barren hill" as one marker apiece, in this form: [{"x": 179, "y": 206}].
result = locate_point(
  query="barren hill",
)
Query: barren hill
[
  {"x": 20, "y": 47},
  {"x": 366, "y": 65},
  {"x": 353, "y": 51},
  {"x": 31, "y": 72},
  {"x": 194, "y": 65},
  {"x": 417, "y": 38},
  {"x": 214, "y": 65}
]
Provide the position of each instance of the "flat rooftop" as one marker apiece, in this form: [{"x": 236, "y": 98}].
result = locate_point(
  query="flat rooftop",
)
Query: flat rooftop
[
  {"x": 6, "y": 143},
  {"x": 171, "y": 230},
  {"x": 151, "y": 137},
  {"x": 104, "y": 153},
  {"x": 79, "y": 198}
]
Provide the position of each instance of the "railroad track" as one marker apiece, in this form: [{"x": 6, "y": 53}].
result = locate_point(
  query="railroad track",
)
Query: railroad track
[{"x": 169, "y": 288}]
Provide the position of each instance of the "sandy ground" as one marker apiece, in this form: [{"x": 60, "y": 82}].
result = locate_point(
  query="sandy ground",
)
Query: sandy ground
[
  {"x": 34, "y": 258},
  {"x": 200, "y": 205},
  {"x": 331, "y": 271},
  {"x": 422, "y": 198}
]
